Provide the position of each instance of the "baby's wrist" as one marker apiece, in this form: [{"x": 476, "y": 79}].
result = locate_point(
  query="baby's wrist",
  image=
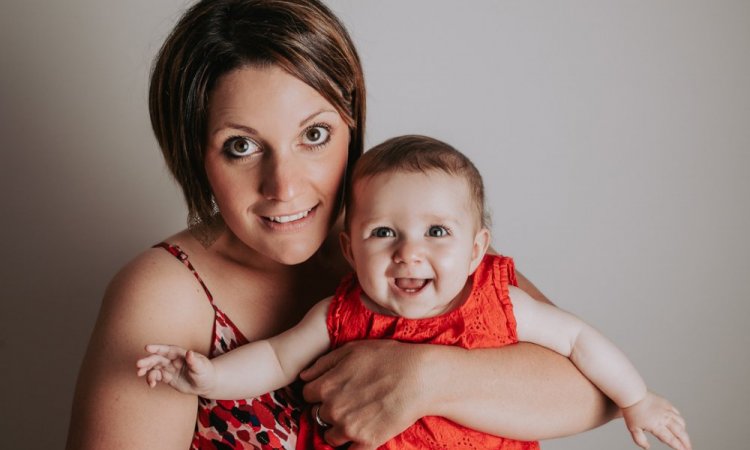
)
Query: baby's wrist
[{"x": 636, "y": 399}]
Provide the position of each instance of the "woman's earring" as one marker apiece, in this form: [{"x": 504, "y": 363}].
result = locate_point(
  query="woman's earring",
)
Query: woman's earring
[
  {"x": 206, "y": 231},
  {"x": 214, "y": 206}
]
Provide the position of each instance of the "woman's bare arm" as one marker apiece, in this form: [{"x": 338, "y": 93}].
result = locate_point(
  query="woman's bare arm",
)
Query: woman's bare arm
[
  {"x": 521, "y": 391},
  {"x": 372, "y": 390},
  {"x": 153, "y": 299}
]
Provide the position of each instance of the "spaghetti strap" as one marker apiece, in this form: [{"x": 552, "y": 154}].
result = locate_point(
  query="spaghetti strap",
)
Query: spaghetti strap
[
  {"x": 267, "y": 421},
  {"x": 177, "y": 252}
]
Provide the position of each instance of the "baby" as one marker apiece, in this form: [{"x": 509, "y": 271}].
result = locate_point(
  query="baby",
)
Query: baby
[{"x": 416, "y": 235}]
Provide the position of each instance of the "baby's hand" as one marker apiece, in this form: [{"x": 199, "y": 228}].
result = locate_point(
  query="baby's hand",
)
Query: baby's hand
[
  {"x": 657, "y": 416},
  {"x": 184, "y": 370}
]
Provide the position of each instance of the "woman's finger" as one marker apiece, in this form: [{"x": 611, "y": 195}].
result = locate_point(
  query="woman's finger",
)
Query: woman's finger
[
  {"x": 322, "y": 365},
  {"x": 318, "y": 376},
  {"x": 356, "y": 446},
  {"x": 335, "y": 437}
]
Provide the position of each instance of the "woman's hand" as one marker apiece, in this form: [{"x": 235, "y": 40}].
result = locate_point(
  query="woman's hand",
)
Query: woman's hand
[{"x": 369, "y": 391}]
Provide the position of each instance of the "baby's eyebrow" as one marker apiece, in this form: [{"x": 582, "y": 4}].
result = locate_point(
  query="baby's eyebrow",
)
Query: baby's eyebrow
[{"x": 443, "y": 219}]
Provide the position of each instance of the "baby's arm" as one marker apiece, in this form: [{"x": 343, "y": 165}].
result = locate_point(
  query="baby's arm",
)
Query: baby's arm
[
  {"x": 249, "y": 371},
  {"x": 602, "y": 363}
]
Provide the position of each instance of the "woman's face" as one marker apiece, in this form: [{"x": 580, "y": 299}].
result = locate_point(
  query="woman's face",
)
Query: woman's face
[{"x": 275, "y": 158}]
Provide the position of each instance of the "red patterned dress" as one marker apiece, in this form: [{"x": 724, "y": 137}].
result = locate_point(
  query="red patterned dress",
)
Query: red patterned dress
[
  {"x": 484, "y": 320},
  {"x": 267, "y": 422}
]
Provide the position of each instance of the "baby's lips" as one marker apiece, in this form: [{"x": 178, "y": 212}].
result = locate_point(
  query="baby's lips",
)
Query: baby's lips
[{"x": 410, "y": 283}]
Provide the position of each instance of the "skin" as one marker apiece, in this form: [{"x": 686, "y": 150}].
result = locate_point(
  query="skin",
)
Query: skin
[
  {"x": 248, "y": 269},
  {"x": 413, "y": 252},
  {"x": 414, "y": 239},
  {"x": 266, "y": 276},
  {"x": 605, "y": 365}
]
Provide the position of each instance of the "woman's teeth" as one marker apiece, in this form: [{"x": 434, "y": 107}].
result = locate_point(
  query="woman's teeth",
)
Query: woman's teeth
[{"x": 291, "y": 218}]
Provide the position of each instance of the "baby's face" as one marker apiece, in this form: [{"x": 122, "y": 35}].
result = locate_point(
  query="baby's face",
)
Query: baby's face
[{"x": 414, "y": 239}]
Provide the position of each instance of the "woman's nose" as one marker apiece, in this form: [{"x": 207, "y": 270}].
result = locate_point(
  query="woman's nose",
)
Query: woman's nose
[
  {"x": 282, "y": 179},
  {"x": 408, "y": 252}
]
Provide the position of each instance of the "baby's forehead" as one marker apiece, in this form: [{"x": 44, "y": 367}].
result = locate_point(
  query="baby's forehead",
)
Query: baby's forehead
[
  {"x": 433, "y": 175},
  {"x": 373, "y": 184}
]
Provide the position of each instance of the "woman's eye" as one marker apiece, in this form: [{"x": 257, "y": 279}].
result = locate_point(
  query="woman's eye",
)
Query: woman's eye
[
  {"x": 437, "y": 231},
  {"x": 238, "y": 147},
  {"x": 316, "y": 135},
  {"x": 383, "y": 232}
]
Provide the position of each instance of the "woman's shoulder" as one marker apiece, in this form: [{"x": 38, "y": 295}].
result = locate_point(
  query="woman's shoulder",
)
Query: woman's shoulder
[
  {"x": 154, "y": 271},
  {"x": 154, "y": 291},
  {"x": 152, "y": 299}
]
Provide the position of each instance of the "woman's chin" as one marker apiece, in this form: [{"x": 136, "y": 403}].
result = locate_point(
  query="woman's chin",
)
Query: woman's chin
[{"x": 291, "y": 254}]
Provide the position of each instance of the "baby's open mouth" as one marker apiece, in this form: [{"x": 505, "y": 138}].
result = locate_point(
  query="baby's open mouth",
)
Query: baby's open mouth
[{"x": 411, "y": 285}]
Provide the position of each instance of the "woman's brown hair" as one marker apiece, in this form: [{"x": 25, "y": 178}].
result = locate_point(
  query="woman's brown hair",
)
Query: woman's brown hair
[{"x": 214, "y": 37}]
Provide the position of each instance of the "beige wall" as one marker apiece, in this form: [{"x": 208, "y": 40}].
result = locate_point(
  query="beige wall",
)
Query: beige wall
[{"x": 614, "y": 138}]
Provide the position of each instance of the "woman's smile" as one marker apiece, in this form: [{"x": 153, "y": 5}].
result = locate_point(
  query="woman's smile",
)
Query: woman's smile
[
  {"x": 290, "y": 217},
  {"x": 290, "y": 222}
]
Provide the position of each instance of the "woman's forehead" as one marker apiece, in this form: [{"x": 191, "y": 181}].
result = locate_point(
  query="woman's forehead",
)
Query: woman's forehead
[{"x": 262, "y": 93}]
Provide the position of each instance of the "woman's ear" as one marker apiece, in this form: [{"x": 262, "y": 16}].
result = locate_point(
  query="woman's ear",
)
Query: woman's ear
[
  {"x": 346, "y": 248},
  {"x": 479, "y": 248}
]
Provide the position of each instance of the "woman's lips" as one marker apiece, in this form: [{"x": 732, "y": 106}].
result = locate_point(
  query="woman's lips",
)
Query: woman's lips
[
  {"x": 290, "y": 222},
  {"x": 289, "y": 218}
]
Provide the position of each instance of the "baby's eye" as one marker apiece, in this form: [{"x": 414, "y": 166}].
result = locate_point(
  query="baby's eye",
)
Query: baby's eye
[
  {"x": 239, "y": 147},
  {"x": 316, "y": 135},
  {"x": 437, "y": 231},
  {"x": 383, "y": 232}
]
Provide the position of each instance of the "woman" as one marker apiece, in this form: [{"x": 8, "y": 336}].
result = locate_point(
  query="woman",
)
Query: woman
[{"x": 259, "y": 109}]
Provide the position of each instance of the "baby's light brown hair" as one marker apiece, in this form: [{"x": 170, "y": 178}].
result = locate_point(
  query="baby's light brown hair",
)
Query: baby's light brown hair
[{"x": 419, "y": 154}]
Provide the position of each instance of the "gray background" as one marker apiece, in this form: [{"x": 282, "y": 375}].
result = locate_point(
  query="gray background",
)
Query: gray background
[{"x": 614, "y": 138}]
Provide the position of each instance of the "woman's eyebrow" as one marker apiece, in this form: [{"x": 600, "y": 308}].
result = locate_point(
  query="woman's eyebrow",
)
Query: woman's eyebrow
[
  {"x": 315, "y": 114},
  {"x": 250, "y": 130},
  {"x": 235, "y": 126}
]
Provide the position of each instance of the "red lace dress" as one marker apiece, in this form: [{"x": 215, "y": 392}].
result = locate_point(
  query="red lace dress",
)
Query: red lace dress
[
  {"x": 267, "y": 422},
  {"x": 485, "y": 320}
]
